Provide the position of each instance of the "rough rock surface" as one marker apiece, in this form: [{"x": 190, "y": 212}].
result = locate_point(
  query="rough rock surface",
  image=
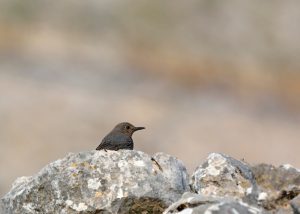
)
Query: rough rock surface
[
  {"x": 133, "y": 182},
  {"x": 192, "y": 203},
  {"x": 277, "y": 186},
  {"x": 221, "y": 175},
  {"x": 295, "y": 204},
  {"x": 100, "y": 182}
]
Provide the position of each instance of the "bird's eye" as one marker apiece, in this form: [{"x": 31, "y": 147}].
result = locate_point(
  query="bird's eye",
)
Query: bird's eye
[{"x": 127, "y": 127}]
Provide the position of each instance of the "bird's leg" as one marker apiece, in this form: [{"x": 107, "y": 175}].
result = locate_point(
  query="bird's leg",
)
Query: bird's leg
[{"x": 105, "y": 150}]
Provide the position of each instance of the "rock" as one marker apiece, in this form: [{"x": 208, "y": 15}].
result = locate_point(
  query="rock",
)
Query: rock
[
  {"x": 133, "y": 182},
  {"x": 191, "y": 203},
  {"x": 221, "y": 175},
  {"x": 100, "y": 182},
  {"x": 178, "y": 178},
  {"x": 277, "y": 186},
  {"x": 295, "y": 204}
]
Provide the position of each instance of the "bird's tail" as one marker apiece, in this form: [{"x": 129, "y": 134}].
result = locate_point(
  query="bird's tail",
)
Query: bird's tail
[{"x": 99, "y": 147}]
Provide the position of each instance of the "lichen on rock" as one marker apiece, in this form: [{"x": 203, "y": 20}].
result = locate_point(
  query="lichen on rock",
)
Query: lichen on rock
[
  {"x": 125, "y": 181},
  {"x": 94, "y": 181},
  {"x": 221, "y": 175}
]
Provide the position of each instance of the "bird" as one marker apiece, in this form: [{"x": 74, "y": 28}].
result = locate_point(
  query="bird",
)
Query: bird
[{"x": 119, "y": 138}]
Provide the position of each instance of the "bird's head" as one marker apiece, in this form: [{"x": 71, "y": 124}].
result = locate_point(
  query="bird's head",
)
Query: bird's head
[{"x": 127, "y": 128}]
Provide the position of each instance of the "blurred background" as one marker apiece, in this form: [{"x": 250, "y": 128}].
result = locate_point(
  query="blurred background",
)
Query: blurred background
[{"x": 202, "y": 76}]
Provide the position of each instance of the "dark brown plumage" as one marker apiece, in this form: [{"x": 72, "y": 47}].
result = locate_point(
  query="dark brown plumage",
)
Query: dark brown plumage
[{"x": 119, "y": 138}]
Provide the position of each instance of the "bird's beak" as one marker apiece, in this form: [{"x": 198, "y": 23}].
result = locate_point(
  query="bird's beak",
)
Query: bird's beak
[{"x": 138, "y": 128}]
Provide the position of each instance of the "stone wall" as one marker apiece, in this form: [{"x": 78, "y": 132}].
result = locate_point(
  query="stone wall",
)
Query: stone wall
[{"x": 134, "y": 182}]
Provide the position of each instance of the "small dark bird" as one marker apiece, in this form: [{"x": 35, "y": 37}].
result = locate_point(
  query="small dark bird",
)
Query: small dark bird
[{"x": 119, "y": 137}]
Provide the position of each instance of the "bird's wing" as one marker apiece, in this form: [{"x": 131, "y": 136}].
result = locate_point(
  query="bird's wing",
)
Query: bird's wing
[{"x": 114, "y": 142}]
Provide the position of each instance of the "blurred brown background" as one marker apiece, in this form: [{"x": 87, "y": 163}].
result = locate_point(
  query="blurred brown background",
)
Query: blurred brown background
[{"x": 202, "y": 76}]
